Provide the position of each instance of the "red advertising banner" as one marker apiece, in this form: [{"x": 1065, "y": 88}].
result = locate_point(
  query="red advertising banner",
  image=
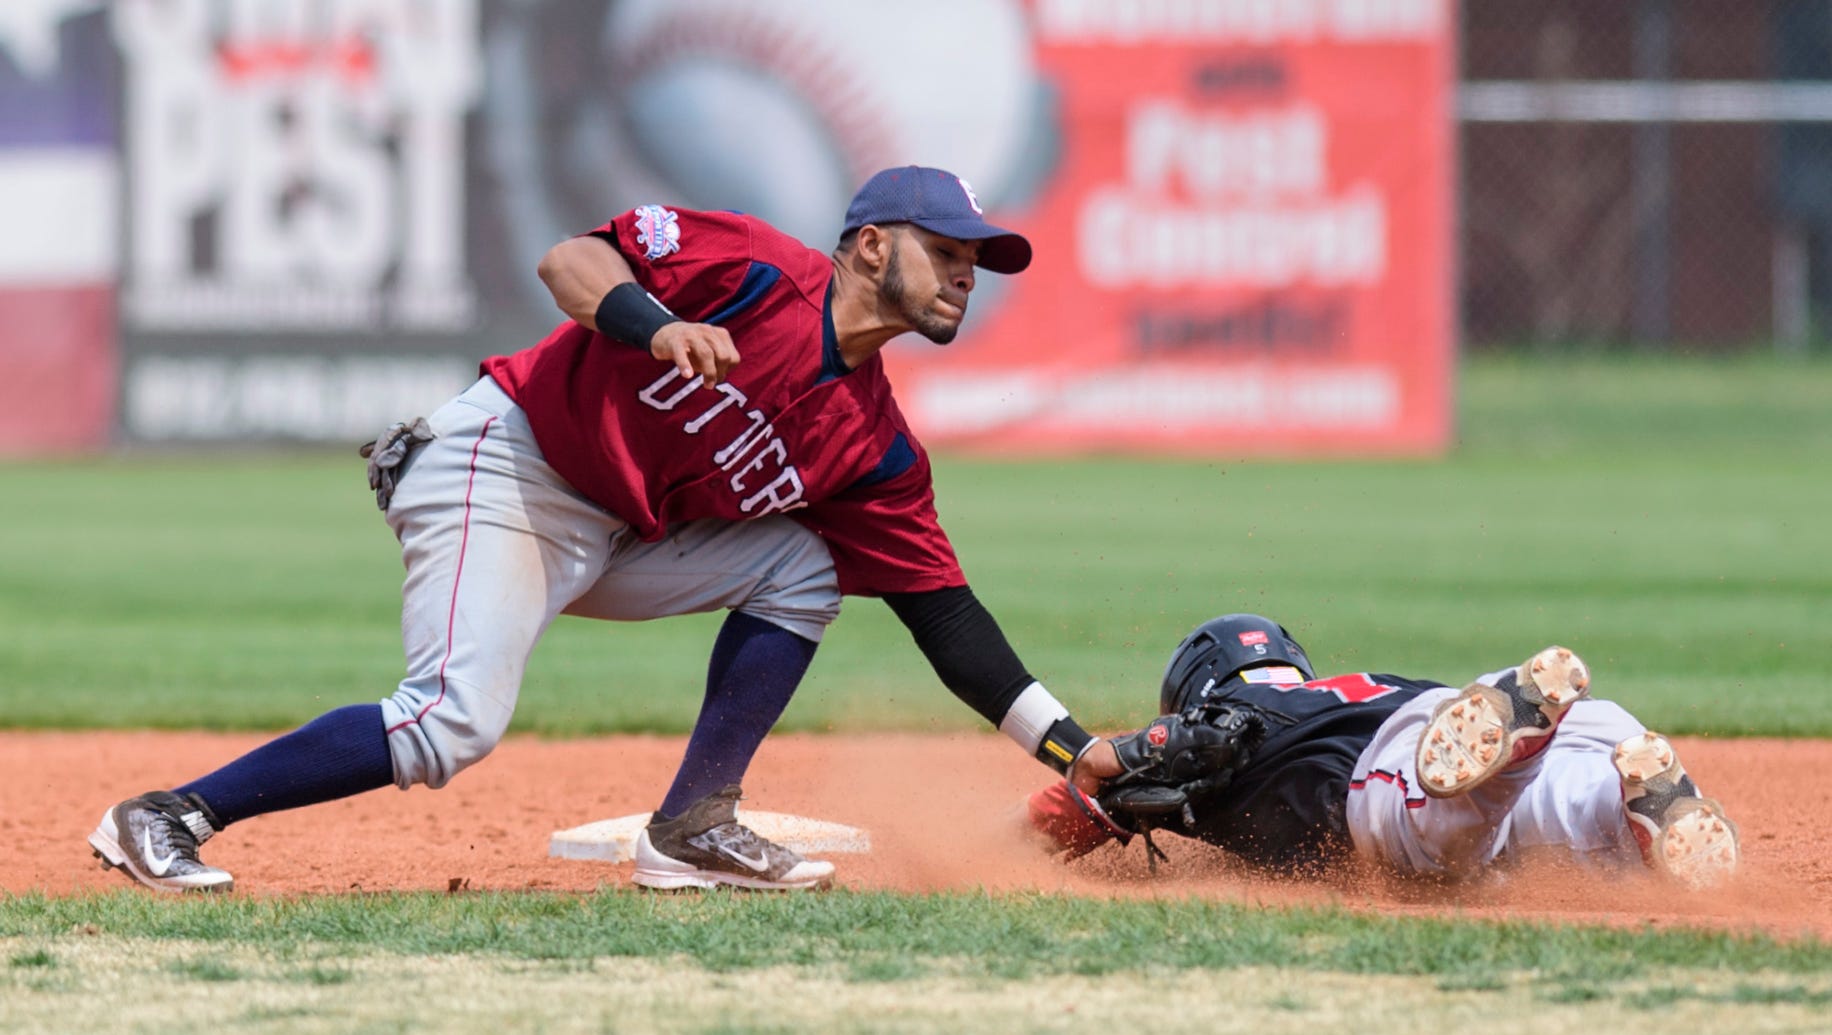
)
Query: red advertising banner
[
  {"x": 299, "y": 220},
  {"x": 1244, "y": 244}
]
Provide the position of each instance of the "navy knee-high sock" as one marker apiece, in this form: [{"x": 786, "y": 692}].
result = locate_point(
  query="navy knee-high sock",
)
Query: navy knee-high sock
[
  {"x": 340, "y": 753},
  {"x": 755, "y": 669}
]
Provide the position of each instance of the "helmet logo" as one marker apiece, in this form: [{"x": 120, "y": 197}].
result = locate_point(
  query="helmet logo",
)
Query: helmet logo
[
  {"x": 1252, "y": 638},
  {"x": 1158, "y": 734}
]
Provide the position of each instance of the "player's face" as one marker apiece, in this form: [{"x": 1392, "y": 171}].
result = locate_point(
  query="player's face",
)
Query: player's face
[{"x": 927, "y": 281}]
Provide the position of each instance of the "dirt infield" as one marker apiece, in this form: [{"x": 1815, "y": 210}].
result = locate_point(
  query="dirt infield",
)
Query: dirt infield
[{"x": 939, "y": 809}]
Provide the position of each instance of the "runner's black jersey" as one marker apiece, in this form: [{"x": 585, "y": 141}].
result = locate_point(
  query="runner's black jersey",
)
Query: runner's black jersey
[{"x": 1286, "y": 810}]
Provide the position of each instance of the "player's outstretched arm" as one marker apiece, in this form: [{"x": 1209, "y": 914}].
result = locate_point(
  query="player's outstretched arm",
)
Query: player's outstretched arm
[{"x": 975, "y": 661}]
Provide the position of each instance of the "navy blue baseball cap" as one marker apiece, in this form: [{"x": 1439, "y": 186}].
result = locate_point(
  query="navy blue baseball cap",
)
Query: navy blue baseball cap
[{"x": 941, "y": 203}]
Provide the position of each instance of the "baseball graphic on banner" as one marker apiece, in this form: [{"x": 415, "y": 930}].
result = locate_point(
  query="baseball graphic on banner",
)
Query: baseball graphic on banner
[{"x": 784, "y": 109}]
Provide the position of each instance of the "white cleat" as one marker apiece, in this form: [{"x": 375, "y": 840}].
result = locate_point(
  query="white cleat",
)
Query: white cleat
[
  {"x": 1682, "y": 834},
  {"x": 1486, "y": 729},
  {"x": 706, "y": 846},
  {"x": 153, "y": 838}
]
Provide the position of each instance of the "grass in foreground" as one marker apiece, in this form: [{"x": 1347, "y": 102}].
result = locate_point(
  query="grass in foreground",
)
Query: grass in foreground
[
  {"x": 618, "y": 961},
  {"x": 104, "y": 984},
  {"x": 888, "y": 936}
]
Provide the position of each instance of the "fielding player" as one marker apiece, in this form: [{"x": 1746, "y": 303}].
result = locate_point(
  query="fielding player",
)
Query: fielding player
[
  {"x": 711, "y": 428},
  {"x": 1422, "y": 778}
]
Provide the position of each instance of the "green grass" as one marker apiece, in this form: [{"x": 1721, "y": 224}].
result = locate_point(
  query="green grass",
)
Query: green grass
[
  {"x": 881, "y": 936},
  {"x": 1666, "y": 518},
  {"x": 846, "y": 962}
]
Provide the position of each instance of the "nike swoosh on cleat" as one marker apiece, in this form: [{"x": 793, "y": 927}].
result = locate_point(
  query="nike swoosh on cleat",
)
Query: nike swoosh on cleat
[
  {"x": 154, "y": 865},
  {"x": 759, "y": 864}
]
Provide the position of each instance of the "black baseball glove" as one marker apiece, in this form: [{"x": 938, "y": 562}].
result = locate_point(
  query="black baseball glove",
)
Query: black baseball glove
[{"x": 1178, "y": 759}]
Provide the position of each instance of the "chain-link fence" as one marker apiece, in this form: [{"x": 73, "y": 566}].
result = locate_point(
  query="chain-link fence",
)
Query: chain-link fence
[{"x": 1654, "y": 173}]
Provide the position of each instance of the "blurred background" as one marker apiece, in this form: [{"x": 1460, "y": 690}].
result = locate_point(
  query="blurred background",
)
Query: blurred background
[{"x": 1262, "y": 228}]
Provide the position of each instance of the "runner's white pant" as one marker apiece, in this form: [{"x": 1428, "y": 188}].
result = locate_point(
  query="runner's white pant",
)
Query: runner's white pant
[
  {"x": 1567, "y": 799},
  {"x": 496, "y": 545}
]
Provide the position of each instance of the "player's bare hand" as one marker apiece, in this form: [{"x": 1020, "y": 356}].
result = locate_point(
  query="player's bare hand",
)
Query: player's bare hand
[
  {"x": 1096, "y": 766},
  {"x": 696, "y": 350}
]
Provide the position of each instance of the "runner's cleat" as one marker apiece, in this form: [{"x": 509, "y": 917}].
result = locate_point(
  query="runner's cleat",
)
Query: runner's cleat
[
  {"x": 1682, "y": 834},
  {"x": 1487, "y": 729}
]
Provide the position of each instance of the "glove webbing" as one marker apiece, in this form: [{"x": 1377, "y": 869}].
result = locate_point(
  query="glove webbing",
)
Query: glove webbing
[{"x": 1152, "y": 852}]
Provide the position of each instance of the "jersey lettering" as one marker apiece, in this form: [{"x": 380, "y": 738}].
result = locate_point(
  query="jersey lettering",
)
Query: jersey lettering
[
  {"x": 784, "y": 491},
  {"x": 781, "y": 451},
  {"x": 652, "y": 394},
  {"x": 732, "y": 396},
  {"x": 757, "y": 432},
  {"x": 784, "y": 494},
  {"x": 1352, "y": 689}
]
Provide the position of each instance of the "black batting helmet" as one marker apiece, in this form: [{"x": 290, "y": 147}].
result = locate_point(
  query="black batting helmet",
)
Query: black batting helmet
[{"x": 1221, "y": 649}]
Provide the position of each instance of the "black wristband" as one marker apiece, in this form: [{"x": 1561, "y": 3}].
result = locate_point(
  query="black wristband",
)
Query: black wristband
[
  {"x": 1063, "y": 744},
  {"x": 628, "y": 313}
]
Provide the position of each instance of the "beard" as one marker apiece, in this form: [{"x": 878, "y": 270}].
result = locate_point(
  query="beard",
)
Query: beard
[{"x": 915, "y": 312}]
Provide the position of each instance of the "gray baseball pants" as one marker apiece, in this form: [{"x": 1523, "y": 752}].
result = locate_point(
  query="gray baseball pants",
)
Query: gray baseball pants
[{"x": 496, "y": 544}]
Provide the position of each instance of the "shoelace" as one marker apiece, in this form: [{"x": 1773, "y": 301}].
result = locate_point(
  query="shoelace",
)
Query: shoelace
[{"x": 175, "y": 835}]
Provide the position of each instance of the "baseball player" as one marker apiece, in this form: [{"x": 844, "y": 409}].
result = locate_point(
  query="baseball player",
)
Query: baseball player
[
  {"x": 1291, "y": 772},
  {"x": 710, "y": 427}
]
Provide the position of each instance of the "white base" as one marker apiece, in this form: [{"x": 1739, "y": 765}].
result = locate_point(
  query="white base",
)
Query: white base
[{"x": 614, "y": 840}]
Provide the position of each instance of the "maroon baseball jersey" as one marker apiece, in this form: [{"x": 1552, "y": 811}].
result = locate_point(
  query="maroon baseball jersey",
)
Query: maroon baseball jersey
[{"x": 791, "y": 430}]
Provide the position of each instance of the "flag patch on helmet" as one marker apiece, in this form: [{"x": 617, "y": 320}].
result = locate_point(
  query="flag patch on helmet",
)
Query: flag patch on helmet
[
  {"x": 1273, "y": 675},
  {"x": 658, "y": 231}
]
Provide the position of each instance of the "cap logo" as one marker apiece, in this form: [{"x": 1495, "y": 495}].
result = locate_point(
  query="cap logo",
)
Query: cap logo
[
  {"x": 1255, "y": 637},
  {"x": 972, "y": 198},
  {"x": 658, "y": 231},
  {"x": 1158, "y": 734}
]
